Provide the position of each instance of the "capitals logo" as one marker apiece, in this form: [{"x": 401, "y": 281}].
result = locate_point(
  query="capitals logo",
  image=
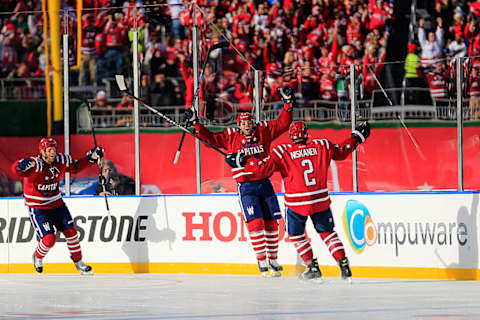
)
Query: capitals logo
[{"x": 359, "y": 226}]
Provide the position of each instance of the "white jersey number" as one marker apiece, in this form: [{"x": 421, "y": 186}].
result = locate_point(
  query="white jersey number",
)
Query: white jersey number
[{"x": 308, "y": 163}]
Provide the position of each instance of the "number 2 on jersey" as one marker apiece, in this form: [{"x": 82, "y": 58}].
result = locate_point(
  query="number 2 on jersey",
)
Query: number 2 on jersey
[{"x": 307, "y": 163}]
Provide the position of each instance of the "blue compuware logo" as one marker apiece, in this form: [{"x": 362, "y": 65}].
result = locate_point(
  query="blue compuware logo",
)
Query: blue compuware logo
[{"x": 359, "y": 226}]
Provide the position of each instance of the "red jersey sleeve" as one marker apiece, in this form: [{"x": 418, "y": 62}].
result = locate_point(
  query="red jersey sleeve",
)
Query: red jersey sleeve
[
  {"x": 220, "y": 139},
  {"x": 342, "y": 150},
  {"x": 282, "y": 123},
  {"x": 76, "y": 165},
  {"x": 265, "y": 167}
]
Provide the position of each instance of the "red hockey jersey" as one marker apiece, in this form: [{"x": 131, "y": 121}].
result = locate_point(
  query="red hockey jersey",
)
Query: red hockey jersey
[
  {"x": 256, "y": 146},
  {"x": 41, "y": 183},
  {"x": 304, "y": 170}
]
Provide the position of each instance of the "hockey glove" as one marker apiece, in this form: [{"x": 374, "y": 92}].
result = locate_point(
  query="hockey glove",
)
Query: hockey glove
[
  {"x": 95, "y": 154},
  {"x": 361, "y": 132},
  {"x": 190, "y": 118},
  {"x": 26, "y": 164},
  {"x": 236, "y": 159},
  {"x": 288, "y": 96}
]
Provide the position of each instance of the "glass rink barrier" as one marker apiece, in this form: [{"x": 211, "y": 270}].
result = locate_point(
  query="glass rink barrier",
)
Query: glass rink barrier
[{"x": 222, "y": 61}]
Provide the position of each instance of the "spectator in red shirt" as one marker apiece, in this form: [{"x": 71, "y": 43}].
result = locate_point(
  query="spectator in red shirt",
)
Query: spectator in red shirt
[{"x": 116, "y": 38}]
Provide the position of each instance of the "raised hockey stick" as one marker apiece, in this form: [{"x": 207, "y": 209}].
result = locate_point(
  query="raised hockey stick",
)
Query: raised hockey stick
[
  {"x": 380, "y": 85},
  {"x": 195, "y": 97},
  {"x": 123, "y": 87},
  {"x": 398, "y": 116},
  {"x": 101, "y": 178}
]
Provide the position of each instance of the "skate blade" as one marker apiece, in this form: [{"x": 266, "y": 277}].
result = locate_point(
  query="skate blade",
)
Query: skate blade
[
  {"x": 314, "y": 280},
  {"x": 86, "y": 273},
  {"x": 264, "y": 274},
  {"x": 275, "y": 274},
  {"x": 348, "y": 280}
]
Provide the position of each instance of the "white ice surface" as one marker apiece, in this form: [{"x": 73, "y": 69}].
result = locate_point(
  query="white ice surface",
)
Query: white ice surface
[{"x": 159, "y": 296}]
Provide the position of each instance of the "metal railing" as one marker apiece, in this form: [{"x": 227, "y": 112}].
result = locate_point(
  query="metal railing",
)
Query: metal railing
[{"x": 317, "y": 110}]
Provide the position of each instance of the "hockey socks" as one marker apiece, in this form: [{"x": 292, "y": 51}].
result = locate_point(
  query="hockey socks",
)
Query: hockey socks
[
  {"x": 271, "y": 234},
  {"x": 303, "y": 248},
  {"x": 334, "y": 244},
  {"x": 73, "y": 244},
  {"x": 45, "y": 244},
  {"x": 256, "y": 230}
]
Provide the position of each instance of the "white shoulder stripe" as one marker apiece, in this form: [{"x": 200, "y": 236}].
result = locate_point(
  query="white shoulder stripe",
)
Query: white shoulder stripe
[
  {"x": 277, "y": 153},
  {"x": 323, "y": 142},
  {"x": 39, "y": 166},
  {"x": 262, "y": 123},
  {"x": 326, "y": 143}
]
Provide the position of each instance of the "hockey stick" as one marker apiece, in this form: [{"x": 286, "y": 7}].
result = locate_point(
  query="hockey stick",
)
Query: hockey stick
[
  {"x": 101, "y": 178},
  {"x": 380, "y": 85},
  {"x": 195, "y": 97},
  {"x": 123, "y": 87},
  {"x": 398, "y": 116}
]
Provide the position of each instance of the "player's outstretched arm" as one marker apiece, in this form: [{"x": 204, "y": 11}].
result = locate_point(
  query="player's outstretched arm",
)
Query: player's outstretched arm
[
  {"x": 94, "y": 155},
  {"x": 359, "y": 135},
  {"x": 220, "y": 140},
  {"x": 282, "y": 123},
  {"x": 23, "y": 167},
  {"x": 239, "y": 163}
]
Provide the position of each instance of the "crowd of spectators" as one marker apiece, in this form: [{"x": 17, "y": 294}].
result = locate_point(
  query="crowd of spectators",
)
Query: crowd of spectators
[
  {"x": 454, "y": 33},
  {"x": 307, "y": 44},
  {"x": 302, "y": 43}
]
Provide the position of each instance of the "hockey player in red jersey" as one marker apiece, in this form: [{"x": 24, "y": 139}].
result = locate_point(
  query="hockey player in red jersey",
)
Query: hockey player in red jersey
[
  {"x": 257, "y": 198},
  {"x": 41, "y": 188},
  {"x": 304, "y": 168}
]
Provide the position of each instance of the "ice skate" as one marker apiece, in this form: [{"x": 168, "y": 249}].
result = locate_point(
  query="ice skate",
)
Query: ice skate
[
  {"x": 312, "y": 273},
  {"x": 83, "y": 268},
  {"x": 263, "y": 267},
  {"x": 345, "y": 268},
  {"x": 275, "y": 268},
  {"x": 37, "y": 263}
]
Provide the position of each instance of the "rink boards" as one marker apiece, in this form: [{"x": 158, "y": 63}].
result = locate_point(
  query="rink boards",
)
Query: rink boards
[{"x": 431, "y": 235}]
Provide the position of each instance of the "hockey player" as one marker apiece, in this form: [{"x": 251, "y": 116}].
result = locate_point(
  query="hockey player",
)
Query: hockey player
[
  {"x": 257, "y": 198},
  {"x": 41, "y": 189},
  {"x": 304, "y": 167}
]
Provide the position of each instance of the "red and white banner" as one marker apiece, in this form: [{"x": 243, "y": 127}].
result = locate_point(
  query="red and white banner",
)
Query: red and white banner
[{"x": 387, "y": 161}]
